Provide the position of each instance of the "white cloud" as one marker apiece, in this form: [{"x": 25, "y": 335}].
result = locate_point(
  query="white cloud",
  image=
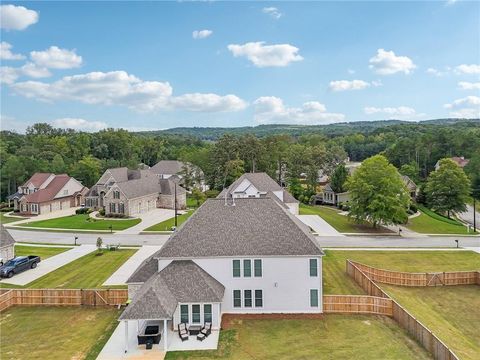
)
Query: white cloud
[
  {"x": 16, "y": 17},
  {"x": 208, "y": 102},
  {"x": 79, "y": 124},
  {"x": 56, "y": 58},
  {"x": 400, "y": 112},
  {"x": 8, "y": 75},
  {"x": 468, "y": 69},
  {"x": 467, "y": 107},
  {"x": 266, "y": 55},
  {"x": 6, "y": 52},
  {"x": 270, "y": 109},
  {"x": 450, "y": 2},
  {"x": 351, "y": 71},
  {"x": 34, "y": 71},
  {"x": 123, "y": 89},
  {"x": 387, "y": 63},
  {"x": 465, "y": 85},
  {"x": 343, "y": 85},
  {"x": 272, "y": 11},
  {"x": 436, "y": 72},
  {"x": 201, "y": 34}
]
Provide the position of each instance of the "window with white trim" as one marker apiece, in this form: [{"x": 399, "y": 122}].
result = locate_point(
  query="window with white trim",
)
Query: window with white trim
[
  {"x": 258, "y": 298},
  {"x": 236, "y": 268},
  {"x": 237, "y": 298},
  {"x": 247, "y": 268},
  {"x": 314, "y": 297},
  {"x": 314, "y": 267},
  {"x": 247, "y": 298},
  {"x": 244, "y": 268},
  {"x": 184, "y": 313}
]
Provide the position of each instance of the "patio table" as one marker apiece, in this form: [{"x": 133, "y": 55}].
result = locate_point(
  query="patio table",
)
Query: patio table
[{"x": 194, "y": 329}]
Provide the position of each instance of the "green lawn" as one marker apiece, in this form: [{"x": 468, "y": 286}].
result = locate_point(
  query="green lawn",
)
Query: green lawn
[
  {"x": 336, "y": 281},
  {"x": 192, "y": 203},
  {"x": 451, "y": 312},
  {"x": 431, "y": 223},
  {"x": 55, "y": 332},
  {"x": 340, "y": 222},
  {"x": 90, "y": 271},
  {"x": 83, "y": 222},
  {"x": 168, "y": 224},
  {"x": 44, "y": 252},
  {"x": 333, "y": 337},
  {"x": 4, "y": 219}
]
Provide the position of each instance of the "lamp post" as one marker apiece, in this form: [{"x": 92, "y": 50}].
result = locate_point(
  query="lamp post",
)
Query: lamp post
[
  {"x": 175, "y": 203},
  {"x": 76, "y": 238}
]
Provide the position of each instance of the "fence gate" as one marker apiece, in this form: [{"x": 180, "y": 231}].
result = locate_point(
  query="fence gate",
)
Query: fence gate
[{"x": 434, "y": 279}]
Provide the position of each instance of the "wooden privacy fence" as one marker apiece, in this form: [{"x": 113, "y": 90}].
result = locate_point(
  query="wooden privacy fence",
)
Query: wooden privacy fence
[
  {"x": 357, "y": 304},
  {"x": 415, "y": 328},
  {"x": 420, "y": 279},
  {"x": 64, "y": 297}
]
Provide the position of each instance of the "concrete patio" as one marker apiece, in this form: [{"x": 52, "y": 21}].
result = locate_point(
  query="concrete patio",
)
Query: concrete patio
[{"x": 115, "y": 347}]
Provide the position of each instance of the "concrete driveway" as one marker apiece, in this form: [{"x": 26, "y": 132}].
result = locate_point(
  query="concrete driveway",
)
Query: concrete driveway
[
  {"x": 149, "y": 218},
  {"x": 50, "y": 264},
  {"x": 319, "y": 226},
  {"x": 121, "y": 276},
  {"x": 468, "y": 215}
]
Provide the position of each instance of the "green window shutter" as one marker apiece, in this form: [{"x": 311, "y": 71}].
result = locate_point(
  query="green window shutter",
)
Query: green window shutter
[
  {"x": 258, "y": 298},
  {"x": 184, "y": 313},
  {"x": 257, "y": 265},
  {"x": 196, "y": 313},
  {"x": 313, "y": 267},
  {"x": 237, "y": 298},
  {"x": 247, "y": 294},
  {"x": 207, "y": 313},
  {"x": 236, "y": 268},
  {"x": 313, "y": 297},
  {"x": 247, "y": 268}
]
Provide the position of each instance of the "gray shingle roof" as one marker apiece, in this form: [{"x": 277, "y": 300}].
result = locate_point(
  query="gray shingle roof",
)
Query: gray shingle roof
[
  {"x": 146, "y": 269},
  {"x": 180, "y": 281},
  {"x": 5, "y": 237},
  {"x": 288, "y": 198},
  {"x": 253, "y": 227},
  {"x": 261, "y": 181},
  {"x": 148, "y": 184},
  {"x": 168, "y": 167}
]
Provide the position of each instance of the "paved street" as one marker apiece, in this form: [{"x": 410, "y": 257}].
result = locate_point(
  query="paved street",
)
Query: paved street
[
  {"x": 468, "y": 215},
  {"x": 325, "y": 241}
]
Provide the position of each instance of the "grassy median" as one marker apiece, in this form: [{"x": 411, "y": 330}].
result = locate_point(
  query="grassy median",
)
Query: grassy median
[{"x": 82, "y": 222}]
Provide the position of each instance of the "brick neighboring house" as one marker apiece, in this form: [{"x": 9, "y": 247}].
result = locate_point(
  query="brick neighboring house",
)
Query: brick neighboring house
[
  {"x": 7, "y": 245},
  {"x": 46, "y": 192},
  {"x": 132, "y": 192},
  {"x": 459, "y": 160}
]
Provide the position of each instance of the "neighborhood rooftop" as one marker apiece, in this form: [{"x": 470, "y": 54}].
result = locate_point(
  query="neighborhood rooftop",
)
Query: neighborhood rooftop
[
  {"x": 261, "y": 181},
  {"x": 179, "y": 282},
  {"x": 5, "y": 237},
  {"x": 245, "y": 227},
  {"x": 169, "y": 167}
]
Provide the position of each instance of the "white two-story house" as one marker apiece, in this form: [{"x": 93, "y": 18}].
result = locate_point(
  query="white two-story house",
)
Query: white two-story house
[
  {"x": 247, "y": 256},
  {"x": 256, "y": 185}
]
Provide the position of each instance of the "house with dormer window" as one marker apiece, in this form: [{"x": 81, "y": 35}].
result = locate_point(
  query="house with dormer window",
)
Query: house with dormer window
[{"x": 244, "y": 255}]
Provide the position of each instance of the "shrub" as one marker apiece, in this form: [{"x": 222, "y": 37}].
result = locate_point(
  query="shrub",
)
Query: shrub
[
  {"x": 101, "y": 212},
  {"x": 6, "y": 209},
  {"x": 413, "y": 208},
  {"x": 212, "y": 193},
  {"x": 82, "y": 211}
]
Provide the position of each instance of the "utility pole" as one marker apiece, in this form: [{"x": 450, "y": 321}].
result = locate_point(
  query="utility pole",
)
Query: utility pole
[
  {"x": 175, "y": 205},
  {"x": 474, "y": 217}
]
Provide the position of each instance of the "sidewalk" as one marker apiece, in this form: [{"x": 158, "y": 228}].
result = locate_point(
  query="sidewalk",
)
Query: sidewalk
[
  {"x": 49, "y": 265},
  {"x": 121, "y": 276}
]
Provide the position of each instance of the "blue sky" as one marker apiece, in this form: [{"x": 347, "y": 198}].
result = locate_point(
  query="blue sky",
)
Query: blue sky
[{"x": 139, "y": 66}]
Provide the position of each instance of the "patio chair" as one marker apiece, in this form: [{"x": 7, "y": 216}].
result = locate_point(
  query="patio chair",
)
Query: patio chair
[
  {"x": 182, "y": 331},
  {"x": 207, "y": 329}
]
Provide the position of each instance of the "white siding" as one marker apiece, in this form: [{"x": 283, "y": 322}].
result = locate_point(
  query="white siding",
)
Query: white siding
[
  {"x": 71, "y": 187},
  {"x": 285, "y": 282}
]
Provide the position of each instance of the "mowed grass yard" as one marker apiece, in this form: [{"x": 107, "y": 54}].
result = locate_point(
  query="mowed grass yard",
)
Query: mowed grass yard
[
  {"x": 55, "y": 332},
  {"x": 168, "y": 224},
  {"x": 341, "y": 223},
  {"x": 431, "y": 223},
  {"x": 451, "y": 312},
  {"x": 336, "y": 281},
  {"x": 82, "y": 222},
  {"x": 43, "y": 251},
  {"x": 88, "y": 272},
  {"x": 332, "y": 337},
  {"x": 4, "y": 219}
]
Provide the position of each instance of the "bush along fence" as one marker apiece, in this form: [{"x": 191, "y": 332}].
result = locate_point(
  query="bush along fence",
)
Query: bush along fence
[
  {"x": 63, "y": 297},
  {"x": 415, "y": 328},
  {"x": 420, "y": 279}
]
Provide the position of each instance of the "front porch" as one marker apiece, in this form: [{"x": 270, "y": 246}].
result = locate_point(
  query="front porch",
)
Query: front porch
[{"x": 126, "y": 339}]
